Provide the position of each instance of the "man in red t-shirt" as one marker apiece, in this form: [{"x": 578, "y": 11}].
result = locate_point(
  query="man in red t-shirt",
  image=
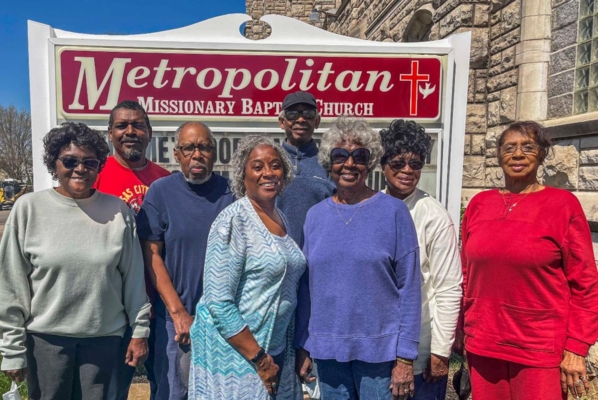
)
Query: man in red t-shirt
[{"x": 127, "y": 174}]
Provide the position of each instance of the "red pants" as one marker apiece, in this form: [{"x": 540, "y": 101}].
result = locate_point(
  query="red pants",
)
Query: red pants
[{"x": 494, "y": 379}]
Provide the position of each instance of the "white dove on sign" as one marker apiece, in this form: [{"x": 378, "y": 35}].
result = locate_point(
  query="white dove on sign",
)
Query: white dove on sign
[{"x": 428, "y": 90}]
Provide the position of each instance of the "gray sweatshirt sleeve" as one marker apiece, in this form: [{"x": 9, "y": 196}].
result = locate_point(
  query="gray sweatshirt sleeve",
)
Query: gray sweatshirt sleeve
[
  {"x": 15, "y": 297},
  {"x": 137, "y": 306}
]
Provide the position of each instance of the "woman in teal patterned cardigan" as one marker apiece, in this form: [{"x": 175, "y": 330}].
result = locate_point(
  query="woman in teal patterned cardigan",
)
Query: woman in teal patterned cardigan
[{"x": 242, "y": 335}]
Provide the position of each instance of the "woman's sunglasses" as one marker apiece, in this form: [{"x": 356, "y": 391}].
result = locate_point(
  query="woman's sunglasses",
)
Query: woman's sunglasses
[
  {"x": 398, "y": 165},
  {"x": 338, "y": 155},
  {"x": 72, "y": 162}
]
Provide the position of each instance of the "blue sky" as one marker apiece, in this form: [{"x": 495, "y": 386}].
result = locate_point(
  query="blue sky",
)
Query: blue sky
[{"x": 88, "y": 16}]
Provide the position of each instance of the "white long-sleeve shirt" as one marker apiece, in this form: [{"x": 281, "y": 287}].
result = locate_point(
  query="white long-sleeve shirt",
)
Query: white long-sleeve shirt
[
  {"x": 69, "y": 268},
  {"x": 441, "y": 276}
]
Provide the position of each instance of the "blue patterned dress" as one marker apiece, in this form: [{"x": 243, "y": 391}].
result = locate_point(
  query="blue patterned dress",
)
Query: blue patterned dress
[{"x": 250, "y": 279}]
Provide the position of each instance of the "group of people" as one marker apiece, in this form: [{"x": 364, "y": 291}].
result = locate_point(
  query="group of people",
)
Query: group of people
[{"x": 244, "y": 288}]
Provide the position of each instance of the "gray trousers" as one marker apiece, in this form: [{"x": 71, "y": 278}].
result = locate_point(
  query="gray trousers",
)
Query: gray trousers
[
  {"x": 171, "y": 363},
  {"x": 66, "y": 368}
]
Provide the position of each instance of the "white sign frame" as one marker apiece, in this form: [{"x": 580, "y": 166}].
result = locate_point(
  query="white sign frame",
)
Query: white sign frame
[{"x": 223, "y": 33}]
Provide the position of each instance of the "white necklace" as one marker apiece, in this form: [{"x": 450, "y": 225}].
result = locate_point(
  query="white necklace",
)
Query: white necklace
[{"x": 353, "y": 216}]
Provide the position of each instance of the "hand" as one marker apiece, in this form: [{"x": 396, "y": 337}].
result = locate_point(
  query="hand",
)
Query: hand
[
  {"x": 182, "y": 325},
  {"x": 304, "y": 366},
  {"x": 573, "y": 374},
  {"x": 17, "y": 375},
  {"x": 267, "y": 370},
  {"x": 459, "y": 344},
  {"x": 401, "y": 381},
  {"x": 437, "y": 368},
  {"x": 137, "y": 352}
]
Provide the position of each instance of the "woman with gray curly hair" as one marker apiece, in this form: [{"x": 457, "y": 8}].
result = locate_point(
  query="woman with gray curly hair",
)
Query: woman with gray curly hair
[
  {"x": 358, "y": 313},
  {"x": 242, "y": 334}
]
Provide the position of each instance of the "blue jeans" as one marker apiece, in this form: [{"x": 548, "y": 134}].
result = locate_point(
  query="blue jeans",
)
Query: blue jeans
[
  {"x": 278, "y": 360},
  {"x": 429, "y": 390},
  {"x": 354, "y": 380}
]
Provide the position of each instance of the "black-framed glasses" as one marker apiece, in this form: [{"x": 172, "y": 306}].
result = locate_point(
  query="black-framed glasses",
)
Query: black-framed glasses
[
  {"x": 292, "y": 115},
  {"x": 72, "y": 162},
  {"x": 529, "y": 148},
  {"x": 189, "y": 149},
  {"x": 338, "y": 155},
  {"x": 397, "y": 165}
]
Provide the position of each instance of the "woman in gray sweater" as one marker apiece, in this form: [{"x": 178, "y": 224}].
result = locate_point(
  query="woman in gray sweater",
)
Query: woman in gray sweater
[{"x": 71, "y": 276}]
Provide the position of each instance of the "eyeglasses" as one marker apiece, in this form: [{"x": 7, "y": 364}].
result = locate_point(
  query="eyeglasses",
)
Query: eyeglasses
[
  {"x": 529, "y": 148},
  {"x": 398, "y": 165},
  {"x": 338, "y": 155},
  {"x": 189, "y": 149},
  {"x": 72, "y": 162},
  {"x": 292, "y": 115}
]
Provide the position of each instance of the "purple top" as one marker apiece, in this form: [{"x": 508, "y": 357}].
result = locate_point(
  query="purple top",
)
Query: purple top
[{"x": 360, "y": 297}]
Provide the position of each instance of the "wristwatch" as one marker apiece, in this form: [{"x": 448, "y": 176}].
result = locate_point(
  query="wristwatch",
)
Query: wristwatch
[{"x": 258, "y": 356}]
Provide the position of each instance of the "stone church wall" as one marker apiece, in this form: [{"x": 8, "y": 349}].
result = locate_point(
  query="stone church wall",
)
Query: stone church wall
[{"x": 523, "y": 60}]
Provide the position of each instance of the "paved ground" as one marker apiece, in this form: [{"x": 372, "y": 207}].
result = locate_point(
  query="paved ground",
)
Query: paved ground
[
  {"x": 3, "y": 217},
  {"x": 139, "y": 391}
]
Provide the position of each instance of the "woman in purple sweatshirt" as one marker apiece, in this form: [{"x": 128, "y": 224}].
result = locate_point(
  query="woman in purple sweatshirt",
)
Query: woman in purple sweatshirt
[{"x": 358, "y": 312}]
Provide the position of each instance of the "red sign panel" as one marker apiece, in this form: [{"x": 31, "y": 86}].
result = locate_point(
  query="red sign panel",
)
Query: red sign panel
[{"x": 246, "y": 85}]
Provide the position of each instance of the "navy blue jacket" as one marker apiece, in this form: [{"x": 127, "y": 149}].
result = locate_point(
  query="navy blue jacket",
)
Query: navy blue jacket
[{"x": 310, "y": 186}]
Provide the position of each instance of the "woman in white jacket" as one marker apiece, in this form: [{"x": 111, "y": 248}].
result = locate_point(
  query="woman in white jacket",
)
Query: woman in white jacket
[{"x": 406, "y": 146}]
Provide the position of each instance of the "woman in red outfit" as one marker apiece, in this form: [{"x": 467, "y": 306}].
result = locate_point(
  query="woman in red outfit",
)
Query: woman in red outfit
[{"x": 530, "y": 281}]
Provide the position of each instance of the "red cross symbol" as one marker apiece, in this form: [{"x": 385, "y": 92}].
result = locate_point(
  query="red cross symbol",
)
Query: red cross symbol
[{"x": 414, "y": 78}]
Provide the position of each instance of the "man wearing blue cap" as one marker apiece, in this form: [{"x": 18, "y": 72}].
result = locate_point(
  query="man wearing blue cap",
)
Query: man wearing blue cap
[{"x": 299, "y": 118}]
